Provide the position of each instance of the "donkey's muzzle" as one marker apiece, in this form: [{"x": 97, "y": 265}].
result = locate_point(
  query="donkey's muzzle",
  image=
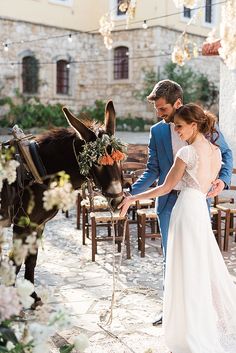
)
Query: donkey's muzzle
[{"x": 114, "y": 202}]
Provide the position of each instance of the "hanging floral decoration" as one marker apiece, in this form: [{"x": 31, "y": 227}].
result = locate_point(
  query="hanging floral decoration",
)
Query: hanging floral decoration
[
  {"x": 228, "y": 34},
  {"x": 184, "y": 50},
  {"x": 104, "y": 151},
  {"x": 187, "y": 3},
  {"x": 107, "y": 24}
]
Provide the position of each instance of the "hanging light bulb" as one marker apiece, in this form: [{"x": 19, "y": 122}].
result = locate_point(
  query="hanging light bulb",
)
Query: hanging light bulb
[
  {"x": 145, "y": 26},
  {"x": 6, "y": 48},
  {"x": 68, "y": 65},
  {"x": 70, "y": 38}
]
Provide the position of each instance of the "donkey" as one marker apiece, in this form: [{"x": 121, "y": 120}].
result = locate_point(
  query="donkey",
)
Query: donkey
[{"x": 59, "y": 150}]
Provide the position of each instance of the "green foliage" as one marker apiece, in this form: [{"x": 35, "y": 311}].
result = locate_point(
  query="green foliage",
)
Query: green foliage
[
  {"x": 97, "y": 112},
  {"x": 30, "y": 112},
  {"x": 130, "y": 123},
  {"x": 196, "y": 85},
  {"x": 67, "y": 348}
]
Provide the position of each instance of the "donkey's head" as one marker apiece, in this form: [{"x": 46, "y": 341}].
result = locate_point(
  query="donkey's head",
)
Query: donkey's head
[{"x": 101, "y": 154}]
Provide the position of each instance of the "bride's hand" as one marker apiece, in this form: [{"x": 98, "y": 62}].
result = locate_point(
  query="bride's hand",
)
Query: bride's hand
[
  {"x": 217, "y": 187},
  {"x": 124, "y": 205}
]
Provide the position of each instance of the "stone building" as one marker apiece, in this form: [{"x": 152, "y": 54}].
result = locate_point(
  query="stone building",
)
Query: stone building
[{"x": 57, "y": 41}]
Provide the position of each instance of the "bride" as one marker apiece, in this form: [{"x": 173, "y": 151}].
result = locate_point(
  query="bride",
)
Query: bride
[{"x": 199, "y": 313}]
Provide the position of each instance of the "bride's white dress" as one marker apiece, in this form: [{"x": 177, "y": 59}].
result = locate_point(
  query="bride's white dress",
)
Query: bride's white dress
[{"x": 200, "y": 297}]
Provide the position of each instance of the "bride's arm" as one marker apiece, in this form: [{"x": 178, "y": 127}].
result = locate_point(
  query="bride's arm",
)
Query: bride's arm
[{"x": 173, "y": 177}]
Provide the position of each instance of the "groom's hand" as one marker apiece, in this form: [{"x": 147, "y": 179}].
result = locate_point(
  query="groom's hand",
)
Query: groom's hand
[{"x": 217, "y": 187}]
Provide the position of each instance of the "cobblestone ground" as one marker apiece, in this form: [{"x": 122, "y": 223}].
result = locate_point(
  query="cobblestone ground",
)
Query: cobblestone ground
[{"x": 84, "y": 288}]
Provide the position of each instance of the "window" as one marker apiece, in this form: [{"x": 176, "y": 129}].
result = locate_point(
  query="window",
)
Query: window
[
  {"x": 208, "y": 11},
  {"x": 187, "y": 12},
  {"x": 63, "y": 69},
  {"x": 30, "y": 71},
  {"x": 121, "y": 63}
]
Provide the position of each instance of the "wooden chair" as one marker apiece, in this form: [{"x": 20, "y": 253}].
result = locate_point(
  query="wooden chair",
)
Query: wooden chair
[
  {"x": 147, "y": 217},
  {"x": 99, "y": 218},
  {"x": 229, "y": 212}
]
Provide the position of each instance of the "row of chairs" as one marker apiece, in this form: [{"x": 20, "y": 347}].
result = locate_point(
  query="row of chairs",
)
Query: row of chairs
[{"x": 97, "y": 214}]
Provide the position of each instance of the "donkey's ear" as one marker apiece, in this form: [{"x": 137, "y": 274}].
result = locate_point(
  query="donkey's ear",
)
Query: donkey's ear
[
  {"x": 85, "y": 133},
  {"x": 110, "y": 118}
]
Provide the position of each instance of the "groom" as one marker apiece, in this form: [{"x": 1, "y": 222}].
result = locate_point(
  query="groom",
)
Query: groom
[{"x": 167, "y": 96}]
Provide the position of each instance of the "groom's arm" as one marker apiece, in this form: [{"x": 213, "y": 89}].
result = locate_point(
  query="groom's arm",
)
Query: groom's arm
[
  {"x": 227, "y": 167},
  {"x": 152, "y": 171}
]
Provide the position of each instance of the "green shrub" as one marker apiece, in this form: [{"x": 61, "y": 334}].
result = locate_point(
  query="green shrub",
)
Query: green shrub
[
  {"x": 196, "y": 86},
  {"x": 97, "y": 112},
  {"x": 30, "y": 112}
]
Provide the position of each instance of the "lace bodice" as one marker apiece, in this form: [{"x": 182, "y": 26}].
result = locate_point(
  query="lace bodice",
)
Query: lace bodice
[{"x": 203, "y": 163}]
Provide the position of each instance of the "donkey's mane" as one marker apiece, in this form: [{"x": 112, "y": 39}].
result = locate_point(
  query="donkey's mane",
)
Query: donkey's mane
[{"x": 62, "y": 133}]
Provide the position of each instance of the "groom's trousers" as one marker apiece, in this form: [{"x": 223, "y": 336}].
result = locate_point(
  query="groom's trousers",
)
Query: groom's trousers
[{"x": 164, "y": 219}]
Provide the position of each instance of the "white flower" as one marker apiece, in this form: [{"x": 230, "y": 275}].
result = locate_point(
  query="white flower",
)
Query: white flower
[
  {"x": 61, "y": 197},
  {"x": 81, "y": 342},
  {"x": 228, "y": 34},
  {"x": 9, "y": 303},
  {"x": 9, "y": 345},
  {"x": 7, "y": 273},
  {"x": 24, "y": 289}
]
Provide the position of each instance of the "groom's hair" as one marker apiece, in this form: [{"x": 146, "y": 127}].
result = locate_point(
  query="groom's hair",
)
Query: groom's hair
[{"x": 170, "y": 90}]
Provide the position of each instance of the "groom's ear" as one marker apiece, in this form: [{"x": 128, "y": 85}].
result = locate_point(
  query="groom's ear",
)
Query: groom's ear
[{"x": 178, "y": 103}]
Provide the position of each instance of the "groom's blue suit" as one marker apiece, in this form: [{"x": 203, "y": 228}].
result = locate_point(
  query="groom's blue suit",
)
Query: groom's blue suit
[{"x": 159, "y": 163}]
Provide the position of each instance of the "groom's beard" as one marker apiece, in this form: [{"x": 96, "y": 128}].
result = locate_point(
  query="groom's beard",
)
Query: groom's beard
[{"x": 170, "y": 118}]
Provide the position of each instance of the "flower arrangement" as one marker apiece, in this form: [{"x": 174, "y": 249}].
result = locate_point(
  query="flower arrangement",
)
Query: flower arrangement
[{"x": 96, "y": 152}]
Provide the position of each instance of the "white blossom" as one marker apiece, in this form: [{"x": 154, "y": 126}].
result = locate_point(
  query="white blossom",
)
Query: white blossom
[
  {"x": 81, "y": 342},
  {"x": 9, "y": 345},
  {"x": 7, "y": 273},
  {"x": 228, "y": 34},
  {"x": 24, "y": 289},
  {"x": 9, "y": 302},
  {"x": 62, "y": 197}
]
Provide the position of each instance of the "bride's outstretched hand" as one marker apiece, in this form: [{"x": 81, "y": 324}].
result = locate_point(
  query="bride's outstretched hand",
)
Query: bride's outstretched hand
[
  {"x": 124, "y": 205},
  {"x": 217, "y": 187}
]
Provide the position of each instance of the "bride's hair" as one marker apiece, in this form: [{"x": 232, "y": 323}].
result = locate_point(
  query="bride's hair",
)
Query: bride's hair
[{"x": 205, "y": 120}]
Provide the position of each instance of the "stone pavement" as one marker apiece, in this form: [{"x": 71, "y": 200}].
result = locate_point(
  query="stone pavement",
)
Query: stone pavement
[{"x": 84, "y": 288}]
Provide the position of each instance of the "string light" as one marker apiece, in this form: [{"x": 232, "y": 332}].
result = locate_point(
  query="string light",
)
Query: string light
[
  {"x": 6, "y": 48},
  {"x": 145, "y": 26},
  {"x": 69, "y": 38},
  {"x": 117, "y": 26}
]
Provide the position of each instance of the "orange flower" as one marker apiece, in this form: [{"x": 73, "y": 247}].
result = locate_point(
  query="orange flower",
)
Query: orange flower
[
  {"x": 106, "y": 160},
  {"x": 117, "y": 155}
]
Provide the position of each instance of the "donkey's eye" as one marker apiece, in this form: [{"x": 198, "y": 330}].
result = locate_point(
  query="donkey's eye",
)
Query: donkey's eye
[{"x": 109, "y": 149}]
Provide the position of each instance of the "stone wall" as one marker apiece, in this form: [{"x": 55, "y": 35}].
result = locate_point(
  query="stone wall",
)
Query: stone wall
[{"x": 91, "y": 73}]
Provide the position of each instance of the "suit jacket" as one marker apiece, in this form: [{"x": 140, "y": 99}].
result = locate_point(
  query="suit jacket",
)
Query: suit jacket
[{"x": 160, "y": 161}]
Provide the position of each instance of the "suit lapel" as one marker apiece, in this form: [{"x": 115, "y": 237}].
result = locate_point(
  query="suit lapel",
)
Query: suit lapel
[{"x": 167, "y": 142}]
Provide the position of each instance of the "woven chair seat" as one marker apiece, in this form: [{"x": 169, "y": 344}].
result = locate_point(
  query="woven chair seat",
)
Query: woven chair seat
[
  {"x": 149, "y": 212},
  {"x": 213, "y": 211},
  {"x": 146, "y": 202},
  {"x": 227, "y": 206},
  {"x": 107, "y": 216}
]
